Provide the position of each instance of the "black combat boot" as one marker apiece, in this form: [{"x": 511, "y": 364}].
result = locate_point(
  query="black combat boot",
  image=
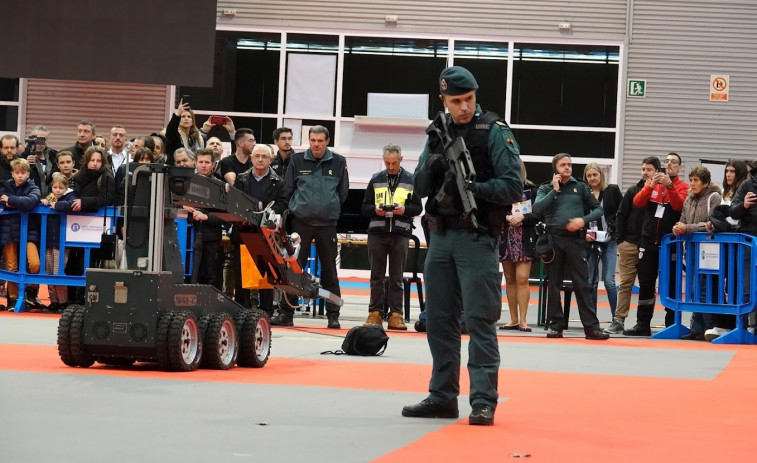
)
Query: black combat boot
[
  {"x": 333, "y": 320},
  {"x": 639, "y": 329},
  {"x": 283, "y": 319}
]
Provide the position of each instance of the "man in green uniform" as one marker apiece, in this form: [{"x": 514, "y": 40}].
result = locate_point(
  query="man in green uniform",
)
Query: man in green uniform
[
  {"x": 462, "y": 268},
  {"x": 563, "y": 203}
]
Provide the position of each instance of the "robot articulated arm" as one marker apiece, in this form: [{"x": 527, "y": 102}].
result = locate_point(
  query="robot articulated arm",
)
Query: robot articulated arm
[{"x": 261, "y": 230}]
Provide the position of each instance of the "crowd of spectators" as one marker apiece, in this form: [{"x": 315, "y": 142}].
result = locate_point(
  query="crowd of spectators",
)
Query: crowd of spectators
[{"x": 92, "y": 173}]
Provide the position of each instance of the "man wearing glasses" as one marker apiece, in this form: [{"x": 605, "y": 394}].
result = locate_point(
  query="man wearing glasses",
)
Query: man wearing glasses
[
  {"x": 262, "y": 183},
  {"x": 662, "y": 199}
]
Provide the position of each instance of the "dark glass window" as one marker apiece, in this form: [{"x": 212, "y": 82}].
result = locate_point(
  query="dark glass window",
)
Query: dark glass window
[
  {"x": 388, "y": 65},
  {"x": 8, "y": 89},
  {"x": 263, "y": 127},
  {"x": 578, "y": 144},
  {"x": 9, "y": 118},
  {"x": 245, "y": 75},
  {"x": 488, "y": 63},
  {"x": 565, "y": 85},
  {"x": 541, "y": 172}
]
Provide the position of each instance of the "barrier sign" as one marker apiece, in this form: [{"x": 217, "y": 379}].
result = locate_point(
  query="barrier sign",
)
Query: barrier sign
[
  {"x": 719, "y": 84},
  {"x": 85, "y": 228},
  {"x": 709, "y": 256}
]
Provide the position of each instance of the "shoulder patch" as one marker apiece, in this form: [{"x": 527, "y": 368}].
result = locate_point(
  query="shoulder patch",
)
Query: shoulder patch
[{"x": 502, "y": 123}]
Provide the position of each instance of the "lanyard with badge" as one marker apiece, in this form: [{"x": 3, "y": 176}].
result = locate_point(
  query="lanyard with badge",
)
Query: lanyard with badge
[{"x": 661, "y": 205}]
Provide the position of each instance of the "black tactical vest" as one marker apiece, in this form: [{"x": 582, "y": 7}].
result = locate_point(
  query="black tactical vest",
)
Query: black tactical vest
[{"x": 476, "y": 136}]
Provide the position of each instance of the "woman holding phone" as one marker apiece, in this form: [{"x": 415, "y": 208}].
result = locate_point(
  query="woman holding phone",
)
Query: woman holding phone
[{"x": 182, "y": 131}]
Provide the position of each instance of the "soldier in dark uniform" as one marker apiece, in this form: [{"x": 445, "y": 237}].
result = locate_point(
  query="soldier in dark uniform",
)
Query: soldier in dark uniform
[
  {"x": 563, "y": 203},
  {"x": 462, "y": 268}
]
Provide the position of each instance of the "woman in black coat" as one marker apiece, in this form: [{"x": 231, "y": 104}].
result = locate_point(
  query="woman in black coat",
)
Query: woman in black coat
[
  {"x": 603, "y": 247},
  {"x": 96, "y": 188},
  {"x": 94, "y": 183}
]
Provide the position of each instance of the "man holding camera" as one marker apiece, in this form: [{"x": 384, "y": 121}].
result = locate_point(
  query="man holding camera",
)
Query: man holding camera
[
  {"x": 662, "y": 199},
  {"x": 391, "y": 205},
  {"x": 41, "y": 158}
]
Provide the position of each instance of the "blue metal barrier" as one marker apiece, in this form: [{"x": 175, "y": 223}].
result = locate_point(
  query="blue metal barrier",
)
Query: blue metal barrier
[
  {"x": 720, "y": 279},
  {"x": 23, "y": 278}
]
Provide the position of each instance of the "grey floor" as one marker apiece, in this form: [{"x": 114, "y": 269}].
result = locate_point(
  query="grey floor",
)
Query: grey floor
[{"x": 93, "y": 418}]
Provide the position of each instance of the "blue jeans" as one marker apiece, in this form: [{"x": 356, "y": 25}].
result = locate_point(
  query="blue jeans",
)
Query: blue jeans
[{"x": 607, "y": 254}]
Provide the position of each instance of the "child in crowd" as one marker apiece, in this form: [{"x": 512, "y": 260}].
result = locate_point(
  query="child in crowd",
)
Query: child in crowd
[
  {"x": 21, "y": 194},
  {"x": 65, "y": 162},
  {"x": 61, "y": 200}
]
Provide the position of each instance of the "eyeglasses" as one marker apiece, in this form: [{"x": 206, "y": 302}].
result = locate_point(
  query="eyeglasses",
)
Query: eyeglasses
[{"x": 671, "y": 161}]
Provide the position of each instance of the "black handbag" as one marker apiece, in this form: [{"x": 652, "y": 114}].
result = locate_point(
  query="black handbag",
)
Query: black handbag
[
  {"x": 365, "y": 341},
  {"x": 108, "y": 240},
  {"x": 544, "y": 247}
]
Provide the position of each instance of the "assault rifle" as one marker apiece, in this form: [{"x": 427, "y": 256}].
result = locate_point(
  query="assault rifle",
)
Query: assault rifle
[{"x": 461, "y": 172}]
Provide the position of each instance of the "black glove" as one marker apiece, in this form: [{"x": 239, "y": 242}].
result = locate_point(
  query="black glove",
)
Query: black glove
[
  {"x": 450, "y": 183},
  {"x": 436, "y": 165},
  {"x": 471, "y": 186}
]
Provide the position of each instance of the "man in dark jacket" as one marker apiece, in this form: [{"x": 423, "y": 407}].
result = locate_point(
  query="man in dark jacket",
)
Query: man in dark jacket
[
  {"x": 85, "y": 135},
  {"x": 208, "y": 232},
  {"x": 41, "y": 159},
  {"x": 390, "y": 203},
  {"x": 262, "y": 183},
  {"x": 9, "y": 145},
  {"x": 317, "y": 184},
  {"x": 662, "y": 199},
  {"x": 628, "y": 228},
  {"x": 282, "y": 138}
]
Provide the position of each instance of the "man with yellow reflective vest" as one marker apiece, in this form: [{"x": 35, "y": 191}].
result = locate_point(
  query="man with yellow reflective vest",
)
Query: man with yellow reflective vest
[{"x": 390, "y": 203}]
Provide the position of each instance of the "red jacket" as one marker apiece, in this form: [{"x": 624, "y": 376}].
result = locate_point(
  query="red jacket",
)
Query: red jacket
[{"x": 670, "y": 199}]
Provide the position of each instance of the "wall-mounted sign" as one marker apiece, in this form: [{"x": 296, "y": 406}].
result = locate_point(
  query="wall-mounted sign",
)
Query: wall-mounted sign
[
  {"x": 637, "y": 88},
  {"x": 719, "y": 84}
]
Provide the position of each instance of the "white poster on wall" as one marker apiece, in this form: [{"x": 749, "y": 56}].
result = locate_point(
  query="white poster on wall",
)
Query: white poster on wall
[
  {"x": 398, "y": 105},
  {"x": 85, "y": 228},
  {"x": 311, "y": 83}
]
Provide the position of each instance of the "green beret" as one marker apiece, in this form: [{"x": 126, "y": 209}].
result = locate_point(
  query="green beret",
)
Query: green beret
[{"x": 456, "y": 80}]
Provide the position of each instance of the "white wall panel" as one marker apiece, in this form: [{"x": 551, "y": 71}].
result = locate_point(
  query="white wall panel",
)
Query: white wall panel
[
  {"x": 676, "y": 46},
  {"x": 589, "y": 18}
]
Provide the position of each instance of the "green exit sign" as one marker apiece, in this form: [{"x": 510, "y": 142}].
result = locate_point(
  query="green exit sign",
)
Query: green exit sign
[{"x": 637, "y": 88}]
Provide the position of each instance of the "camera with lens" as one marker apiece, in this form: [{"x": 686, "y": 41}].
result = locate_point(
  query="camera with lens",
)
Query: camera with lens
[
  {"x": 39, "y": 143},
  {"x": 35, "y": 140}
]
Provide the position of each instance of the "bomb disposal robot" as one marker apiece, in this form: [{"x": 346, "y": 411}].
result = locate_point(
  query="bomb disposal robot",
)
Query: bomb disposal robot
[{"x": 146, "y": 313}]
